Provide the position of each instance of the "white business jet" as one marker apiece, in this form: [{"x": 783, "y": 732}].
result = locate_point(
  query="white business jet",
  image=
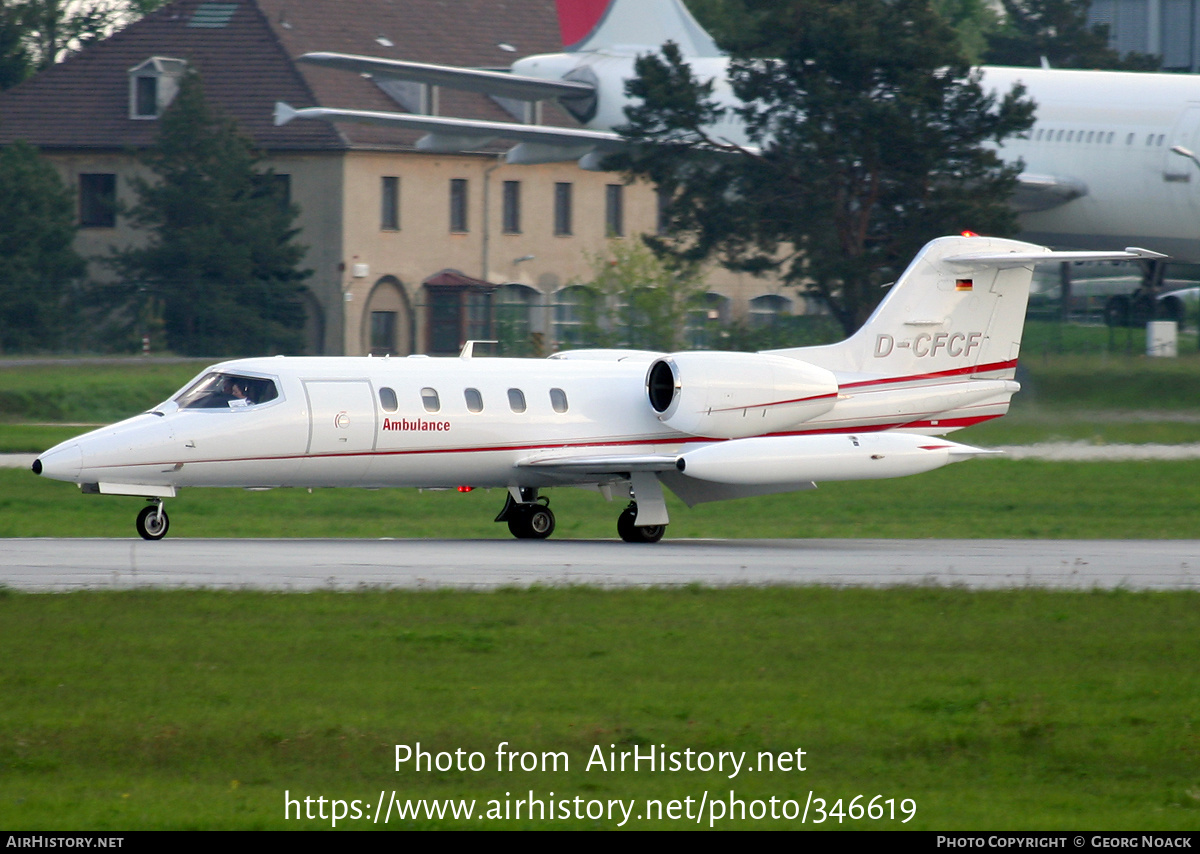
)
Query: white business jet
[
  {"x": 938, "y": 354},
  {"x": 1109, "y": 162}
]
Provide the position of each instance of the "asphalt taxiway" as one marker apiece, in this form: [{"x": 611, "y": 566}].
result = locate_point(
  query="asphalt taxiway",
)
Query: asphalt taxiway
[{"x": 74, "y": 564}]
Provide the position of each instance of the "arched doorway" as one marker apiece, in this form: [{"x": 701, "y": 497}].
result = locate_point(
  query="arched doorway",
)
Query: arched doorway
[{"x": 387, "y": 320}]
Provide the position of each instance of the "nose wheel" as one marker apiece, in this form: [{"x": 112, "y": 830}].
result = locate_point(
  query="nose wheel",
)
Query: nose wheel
[{"x": 152, "y": 523}]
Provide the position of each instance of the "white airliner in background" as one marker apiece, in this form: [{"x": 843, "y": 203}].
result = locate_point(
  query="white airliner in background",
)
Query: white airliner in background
[
  {"x": 938, "y": 354},
  {"x": 1108, "y": 162}
]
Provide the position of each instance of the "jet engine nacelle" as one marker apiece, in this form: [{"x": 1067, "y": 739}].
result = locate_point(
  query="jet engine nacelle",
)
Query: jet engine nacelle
[{"x": 735, "y": 395}]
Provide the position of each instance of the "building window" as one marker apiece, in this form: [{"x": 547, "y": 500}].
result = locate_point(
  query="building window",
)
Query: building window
[
  {"x": 383, "y": 333},
  {"x": 389, "y": 206},
  {"x": 614, "y": 210},
  {"x": 281, "y": 185},
  {"x": 767, "y": 310},
  {"x": 145, "y": 97},
  {"x": 664, "y": 211},
  {"x": 98, "y": 200},
  {"x": 512, "y": 207},
  {"x": 562, "y": 208},
  {"x": 458, "y": 205},
  {"x": 153, "y": 84}
]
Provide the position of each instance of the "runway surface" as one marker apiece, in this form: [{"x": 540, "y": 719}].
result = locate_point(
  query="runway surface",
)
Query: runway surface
[{"x": 74, "y": 564}]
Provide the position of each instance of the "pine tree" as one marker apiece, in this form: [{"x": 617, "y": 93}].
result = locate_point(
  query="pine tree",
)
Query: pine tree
[
  {"x": 221, "y": 258},
  {"x": 37, "y": 263},
  {"x": 869, "y": 136},
  {"x": 1057, "y": 32}
]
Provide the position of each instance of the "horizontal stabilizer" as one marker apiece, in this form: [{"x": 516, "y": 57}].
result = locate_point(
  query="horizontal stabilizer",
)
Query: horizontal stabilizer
[
  {"x": 459, "y": 129},
  {"x": 499, "y": 83},
  {"x": 1005, "y": 260}
]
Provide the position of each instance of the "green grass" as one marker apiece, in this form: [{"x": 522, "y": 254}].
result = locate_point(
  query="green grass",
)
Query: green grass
[
  {"x": 1053, "y": 339},
  {"x": 981, "y": 498},
  {"x": 1019, "y": 709},
  {"x": 89, "y": 392}
]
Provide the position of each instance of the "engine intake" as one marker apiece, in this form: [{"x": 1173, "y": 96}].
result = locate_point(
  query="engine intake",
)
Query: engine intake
[{"x": 734, "y": 395}]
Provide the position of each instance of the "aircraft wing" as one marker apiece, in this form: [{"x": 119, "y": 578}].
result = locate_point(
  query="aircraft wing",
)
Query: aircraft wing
[
  {"x": 603, "y": 464},
  {"x": 1042, "y": 192},
  {"x": 536, "y": 143},
  {"x": 499, "y": 83}
]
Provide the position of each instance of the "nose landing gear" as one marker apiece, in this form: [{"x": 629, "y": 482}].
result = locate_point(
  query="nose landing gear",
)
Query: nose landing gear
[{"x": 152, "y": 523}]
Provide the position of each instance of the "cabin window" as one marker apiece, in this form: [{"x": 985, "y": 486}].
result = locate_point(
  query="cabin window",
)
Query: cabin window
[
  {"x": 516, "y": 399},
  {"x": 1129, "y": 140},
  {"x": 219, "y": 390},
  {"x": 1091, "y": 135},
  {"x": 558, "y": 399},
  {"x": 1108, "y": 139},
  {"x": 430, "y": 399},
  {"x": 474, "y": 399},
  {"x": 387, "y": 399}
]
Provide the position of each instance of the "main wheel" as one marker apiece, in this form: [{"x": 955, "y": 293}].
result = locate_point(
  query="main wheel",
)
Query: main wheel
[
  {"x": 541, "y": 522},
  {"x": 531, "y": 522},
  {"x": 152, "y": 523},
  {"x": 631, "y": 533}
]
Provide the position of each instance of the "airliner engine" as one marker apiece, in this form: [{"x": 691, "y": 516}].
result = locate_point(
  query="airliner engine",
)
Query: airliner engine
[{"x": 735, "y": 395}]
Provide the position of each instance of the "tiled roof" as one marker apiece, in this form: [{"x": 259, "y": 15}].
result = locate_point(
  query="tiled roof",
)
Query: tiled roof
[{"x": 243, "y": 50}]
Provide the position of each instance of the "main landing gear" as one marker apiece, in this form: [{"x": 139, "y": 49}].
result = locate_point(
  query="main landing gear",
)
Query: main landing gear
[
  {"x": 532, "y": 519},
  {"x": 152, "y": 523},
  {"x": 630, "y": 533}
]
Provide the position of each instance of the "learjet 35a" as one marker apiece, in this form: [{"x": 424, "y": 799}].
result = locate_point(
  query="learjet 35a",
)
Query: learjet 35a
[{"x": 938, "y": 354}]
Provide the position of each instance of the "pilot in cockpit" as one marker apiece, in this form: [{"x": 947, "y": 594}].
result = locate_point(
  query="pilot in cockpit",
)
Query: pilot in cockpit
[{"x": 238, "y": 391}]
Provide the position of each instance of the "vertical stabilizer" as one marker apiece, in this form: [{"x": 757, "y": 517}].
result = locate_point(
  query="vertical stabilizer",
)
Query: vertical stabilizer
[
  {"x": 958, "y": 310},
  {"x": 596, "y": 24}
]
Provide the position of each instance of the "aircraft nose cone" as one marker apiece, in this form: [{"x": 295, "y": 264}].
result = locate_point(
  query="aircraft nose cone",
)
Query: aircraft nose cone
[{"x": 61, "y": 462}]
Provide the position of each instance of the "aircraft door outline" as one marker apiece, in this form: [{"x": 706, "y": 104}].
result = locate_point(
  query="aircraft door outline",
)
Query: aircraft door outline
[{"x": 341, "y": 416}]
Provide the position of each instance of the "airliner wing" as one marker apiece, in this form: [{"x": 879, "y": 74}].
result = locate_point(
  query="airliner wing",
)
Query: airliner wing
[
  {"x": 536, "y": 143},
  {"x": 1042, "y": 192},
  {"x": 499, "y": 83}
]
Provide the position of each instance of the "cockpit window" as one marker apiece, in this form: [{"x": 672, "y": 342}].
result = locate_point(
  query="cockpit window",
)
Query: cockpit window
[{"x": 219, "y": 390}]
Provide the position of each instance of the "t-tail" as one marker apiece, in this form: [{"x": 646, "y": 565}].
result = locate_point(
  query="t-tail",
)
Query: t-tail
[
  {"x": 940, "y": 351},
  {"x": 587, "y": 25}
]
